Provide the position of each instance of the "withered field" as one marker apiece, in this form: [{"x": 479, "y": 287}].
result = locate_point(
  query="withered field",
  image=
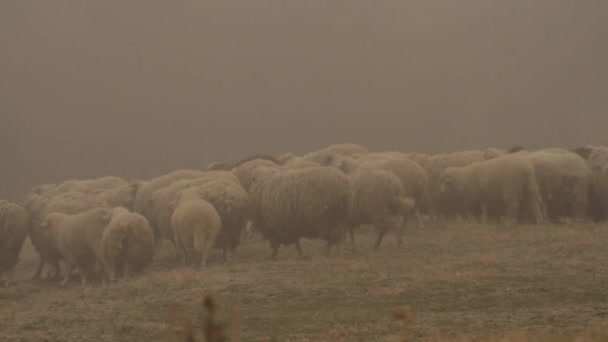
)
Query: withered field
[{"x": 449, "y": 281}]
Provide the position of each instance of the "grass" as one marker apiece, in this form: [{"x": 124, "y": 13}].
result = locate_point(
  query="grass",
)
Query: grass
[{"x": 454, "y": 281}]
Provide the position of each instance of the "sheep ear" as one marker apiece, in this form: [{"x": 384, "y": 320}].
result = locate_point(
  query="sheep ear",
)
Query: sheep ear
[{"x": 44, "y": 224}]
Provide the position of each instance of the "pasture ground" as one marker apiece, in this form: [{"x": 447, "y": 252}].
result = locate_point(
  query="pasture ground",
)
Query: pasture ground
[{"x": 456, "y": 281}]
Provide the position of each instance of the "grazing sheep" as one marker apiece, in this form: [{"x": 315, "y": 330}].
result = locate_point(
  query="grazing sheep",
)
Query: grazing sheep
[
  {"x": 413, "y": 177},
  {"x": 311, "y": 202},
  {"x": 441, "y": 203},
  {"x": 196, "y": 224},
  {"x": 224, "y": 193},
  {"x": 223, "y": 166},
  {"x": 77, "y": 238},
  {"x": 70, "y": 197},
  {"x": 13, "y": 230},
  {"x": 564, "y": 181},
  {"x": 127, "y": 244},
  {"x": 144, "y": 202},
  {"x": 299, "y": 163},
  {"x": 243, "y": 171},
  {"x": 378, "y": 199},
  {"x": 505, "y": 180},
  {"x": 324, "y": 155},
  {"x": 597, "y": 159}
]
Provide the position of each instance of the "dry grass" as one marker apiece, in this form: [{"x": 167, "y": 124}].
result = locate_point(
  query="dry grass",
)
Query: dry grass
[{"x": 457, "y": 282}]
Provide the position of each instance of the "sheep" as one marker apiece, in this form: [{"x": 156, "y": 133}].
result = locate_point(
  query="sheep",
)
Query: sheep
[
  {"x": 71, "y": 197},
  {"x": 13, "y": 231},
  {"x": 223, "y": 166},
  {"x": 144, "y": 200},
  {"x": 195, "y": 224},
  {"x": 412, "y": 176},
  {"x": 160, "y": 204},
  {"x": 505, "y": 180},
  {"x": 38, "y": 206},
  {"x": 311, "y": 202},
  {"x": 440, "y": 203},
  {"x": 378, "y": 199},
  {"x": 77, "y": 238},
  {"x": 597, "y": 160},
  {"x": 323, "y": 155},
  {"x": 243, "y": 171},
  {"x": 299, "y": 163},
  {"x": 564, "y": 181},
  {"x": 127, "y": 244}
]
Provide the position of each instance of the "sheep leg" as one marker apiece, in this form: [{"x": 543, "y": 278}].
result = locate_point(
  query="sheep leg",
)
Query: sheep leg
[
  {"x": 39, "y": 269},
  {"x": 56, "y": 269},
  {"x": 420, "y": 221},
  {"x": 298, "y": 247},
  {"x": 275, "y": 249},
  {"x": 328, "y": 249},
  {"x": 83, "y": 275},
  {"x": 379, "y": 239},
  {"x": 351, "y": 233},
  {"x": 67, "y": 274}
]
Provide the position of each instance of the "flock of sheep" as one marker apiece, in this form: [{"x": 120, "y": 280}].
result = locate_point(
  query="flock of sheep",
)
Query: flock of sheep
[{"x": 111, "y": 227}]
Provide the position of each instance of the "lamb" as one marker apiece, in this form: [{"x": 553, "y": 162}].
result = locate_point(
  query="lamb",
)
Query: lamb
[
  {"x": 195, "y": 224},
  {"x": 77, "y": 238},
  {"x": 127, "y": 244},
  {"x": 311, "y": 202},
  {"x": 13, "y": 230},
  {"x": 505, "y": 180}
]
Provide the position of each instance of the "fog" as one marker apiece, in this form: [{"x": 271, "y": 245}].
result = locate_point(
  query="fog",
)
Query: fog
[{"x": 139, "y": 88}]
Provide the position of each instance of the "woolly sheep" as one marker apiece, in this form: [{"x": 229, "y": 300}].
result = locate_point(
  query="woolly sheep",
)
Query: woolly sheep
[
  {"x": 224, "y": 166},
  {"x": 127, "y": 244},
  {"x": 13, "y": 230},
  {"x": 331, "y": 151},
  {"x": 564, "y": 181},
  {"x": 505, "y": 180},
  {"x": 439, "y": 202},
  {"x": 196, "y": 224},
  {"x": 597, "y": 159},
  {"x": 77, "y": 238},
  {"x": 38, "y": 206},
  {"x": 412, "y": 176},
  {"x": 71, "y": 197},
  {"x": 243, "y": 171},
  {"x": 299, "y": 163},
  {"x": 144, "y": 198},
  {"x": 378, "y": 199},
  {"x": 161, "y": 203},
  {"x": 310, "y": 202}
]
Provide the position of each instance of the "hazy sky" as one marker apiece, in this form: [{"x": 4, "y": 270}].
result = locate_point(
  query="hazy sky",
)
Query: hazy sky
[{"x": 139, "y": 88}]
